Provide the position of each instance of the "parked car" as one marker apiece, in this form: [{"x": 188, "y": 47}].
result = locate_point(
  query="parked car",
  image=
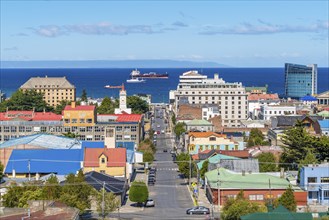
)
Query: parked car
[
  {"x": 165, "y": 150},
  {"x": 150, "y": 183},
  {"x": 149, "y": 203},
  {"x": 198, "y": 210}
]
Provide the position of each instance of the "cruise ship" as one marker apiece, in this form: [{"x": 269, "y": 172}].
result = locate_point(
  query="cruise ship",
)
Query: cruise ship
[{"x": 151, "y": 75}]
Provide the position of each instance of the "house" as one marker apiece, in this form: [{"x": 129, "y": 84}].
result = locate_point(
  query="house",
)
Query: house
[
  {"x": 200, "y": 141},
  {"x": 257, "y": 187},
  {"x": 309, "y": 100},
  {"x": 255, "y": 101},
  {"x": 117, "y": 186},
  {"x": 36, "y": 141},
  {"x": 111, "y": 161},
  {"x": 324, "y": 126},
  {"x": 243, "y": 154},
  {"x": 199, "y": 125},
  {"x": 253, "y": 123},
  {"x": 268, "y": 111},
  {"x": 315, "y": 180},
  {"x": 39, "y": 162}
]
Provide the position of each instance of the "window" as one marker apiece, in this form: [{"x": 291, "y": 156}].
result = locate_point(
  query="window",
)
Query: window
[
  {"x": 252, "y": 197},
  {"x": 102, "y": 171},
  {"x": 133, "y": 137},
  {"x": 74, "y": 128},
  {"x": 231, "y": 196},
  {"x": 89, "y": 128},
  {"x": 43, "y": 129},
  {"x": 311, "y": 179},
  {"x": 133, "y": 128},
  {"x": 67, "y": 129},
  {"x": 28, "y": 129},
  {"x": 127, "y": 129},
  {"x": 212, "y": 139},
  {"x": 6, "y": 129},
  {"x": 82, "y": 137},
  {"x": 326, "y": 194},
  {"x": 67, "y": 120},
  {"x": 74, "y": 120},
  {"x": 259, "y": 197},
  {"x": 109, "y": 132},
  {"x": 118, "y": 137},
  {"x": 89, "y": 120},
  {"x": 325, "y": 179},
  {"x": 82, "y": 120},
  {"x": 97, "y": 137},
  {"x": 103, "y": 160},
  {"x": 97, "y": 129},
  {"x": 21, "y": 129},
  {"x": 13, "y": 129},
  {"x": 119, "y": 128},
  {"x": 82, "y": 129}
]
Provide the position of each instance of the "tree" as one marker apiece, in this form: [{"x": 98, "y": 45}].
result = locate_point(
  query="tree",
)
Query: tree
[
  {"x": 61, "y": 106},
  {"x": 12, "y": 196},
  {"x": 107, "y": 106},
  {"x": 52, "y": 189},
  {"x": 267, "y": 162},
  {"x": 173, "y": 119},
  {"x": 26, "y": 100},
  {"x": 256, "y": 137},
  {"x": 137, "y": 105},
  {"x": 111, "y": 203},
  {"x": 138, "y": 192},
  {"x": 179, "y": 129},
  {"x": 204, "y": 168},
  {"x": 308, "y": 159},
  {"x": 84, "y": 97},
  {"x": 70, "y": 134},
  {"x": 183, "y": 162},
  {"x": 235, "y": 208},
  {"x": 321, "y": 147},
  {"x": 288, "y": 199},
  {"x": 148, "y": 157}
]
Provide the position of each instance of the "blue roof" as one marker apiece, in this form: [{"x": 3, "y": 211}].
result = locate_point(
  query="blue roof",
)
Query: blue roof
[
  {"x": 324, "y": 123},
  {"x": 308, "y": 98},
  {"x": 127, "y": 145},
  {"x": 130, "y": 156},
  {"x": 60, "y": 161},
  {"x": 44, "y": 140},
  {"x": 93, "y": 144}
]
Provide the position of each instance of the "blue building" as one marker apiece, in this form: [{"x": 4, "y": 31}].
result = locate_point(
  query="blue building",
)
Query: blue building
[
  {"x": 324, "y": 125},
  {"x": 300, "y": 80},
  {"x": 315, "y": 180}
]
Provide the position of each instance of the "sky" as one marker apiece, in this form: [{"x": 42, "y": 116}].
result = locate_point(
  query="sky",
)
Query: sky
[{"x": 258, "y": 33}]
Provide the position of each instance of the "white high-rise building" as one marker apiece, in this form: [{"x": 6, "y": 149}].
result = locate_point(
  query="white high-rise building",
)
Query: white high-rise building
[{"x": 197, "y": 89}]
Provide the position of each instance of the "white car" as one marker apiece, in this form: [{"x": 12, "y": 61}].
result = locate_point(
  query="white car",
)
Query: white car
[
  {"x": 162, "y": 132},
  {"x": 158, "y": 126},
  {"x": 149, "y": 203}
]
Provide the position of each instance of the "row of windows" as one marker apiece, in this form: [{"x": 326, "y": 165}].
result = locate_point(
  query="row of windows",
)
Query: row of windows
[
  {"x": 81, "y": 120},
  {"x": 279, "y": 112},
  {"x": 204, "y": 86},
  {"x": 125, "y": 137},
  {"x": 57, "y": 95},
  {"x": 315, "y": 179},
  {"x": 212, "y": 147},
  {"x": 213, "y": 93},
  {"x": 126, "y": 128}
]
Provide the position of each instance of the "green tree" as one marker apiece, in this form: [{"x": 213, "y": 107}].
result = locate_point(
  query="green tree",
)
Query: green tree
[
  {"x": 26, "y": 100},
  {"x": 235, "y": 208},
  {"x": 52, "y": 189},
  {"x": 107, "y": 106},
  {"x": 32, "y": 194},
  {"x": 321, "y": 147},
  {"x": 179, "y": 129},
  {"x": 148, "y": 157},
  {"x": 267, "y": 162},
  {"x": 256, "y": 138},
  {"x": 111, "y": 203},
  {"x": 1, "y": 171},
  {"x": 204, "y": 168},
  {"x": 138, "y": 192},
  {"x": 84, "y": 97},
  {"x": 183, "y": 162},
  {"x": 76, "y": 192},
  {"x": 288, "y": 199},
  {"x": 308, "y": 159},
  {"x": 173, "y": 119},
  {"x": 61, "y": 106},
  {"x": 137, "y": 105},
  {"x": 12, "y": 196}
]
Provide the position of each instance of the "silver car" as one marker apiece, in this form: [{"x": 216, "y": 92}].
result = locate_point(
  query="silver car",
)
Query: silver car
[
  {"x": 149, "y": 203},
  {"x": 198, "y": 210}
]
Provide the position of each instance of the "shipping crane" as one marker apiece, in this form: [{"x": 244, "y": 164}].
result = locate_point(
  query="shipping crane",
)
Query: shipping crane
[{"x": 122, "y": 87}]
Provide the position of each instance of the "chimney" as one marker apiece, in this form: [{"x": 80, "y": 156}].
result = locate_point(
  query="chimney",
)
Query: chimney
[
  {"x": 73, "y": 104},
  {"x": 243, "y": 172},
  {"x": 282, "y": 172},
  {"x": 14, "y": 173}
]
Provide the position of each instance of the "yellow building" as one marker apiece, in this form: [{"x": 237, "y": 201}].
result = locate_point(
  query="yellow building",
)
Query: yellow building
[
  {"x": 80, "y": 116},
  {"x": 55, "y": 89},
  {"x": 110, "y": 161}
]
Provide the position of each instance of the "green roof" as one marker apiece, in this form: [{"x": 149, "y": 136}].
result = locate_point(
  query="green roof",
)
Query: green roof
[
  {"x": 199, "y": 122},
  {"x": 324, "y": 114},
  {"x": 280, "y": 213},
  {"x": 232, "y": 180},
  {"x": 216, "y": 158}
]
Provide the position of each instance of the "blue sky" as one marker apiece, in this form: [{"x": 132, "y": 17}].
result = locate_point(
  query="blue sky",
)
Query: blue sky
[{"x": 235, "y": 33}]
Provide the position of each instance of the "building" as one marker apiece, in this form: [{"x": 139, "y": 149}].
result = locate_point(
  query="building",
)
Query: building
[
  {"x": 79, "y": 115},
  {"x": 309, "y": 100},
  {"x": 254, "y": 185},
  {"x": 199, "y": 125},
  {"x": 255, "y": 101},
  {"x": 36, "y": 141},
  {"x": 324, "y": 125},
  {"x": 200, "y": 141},
  {"x": 209, "y": 111},
  {"x": 110, "y": 161},
  {"x": 215, "y": 159},
  {"x": 300, "y": 80},
  {"x": 197, "y": 89},
  {"x": 25, "y": 163},
  {"x": 122, "y": 102},
  {"x": 268, "y": 111},
  {"x": 315, "y": 180},
  {"x": 55, "y": 89},
  {"x": 323, "y": 98}
]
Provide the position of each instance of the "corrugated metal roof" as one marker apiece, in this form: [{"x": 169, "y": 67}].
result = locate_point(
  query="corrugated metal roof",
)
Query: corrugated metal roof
[
  {"x": 324, "y": 123},
  {"x": 112, "y": 184},
  {"x": 44, "y": 140},
  {"x": 216, "y": 158},
  {"x": 57, "y": 161},
  {"x": 198, "y": 122},
  {"x": 92, "y": 144},
  {"x": 128, "y": 145},
  {"x": 232, "y": 180},
  {"x": 308, "y": 98}
]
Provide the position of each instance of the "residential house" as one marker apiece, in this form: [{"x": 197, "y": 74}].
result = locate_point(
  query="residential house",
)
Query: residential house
[
  {"x": 257, "y": 187},
  {"x": 243, "y": 154},
  {"x": 253, "y": 123},
  {"x": 110, "y": 161},
  {"x": 199, "y": 125},
  {"x": 210, "y": 111},
  {"x": 32, "y": 163},
  {"x": 268, "y": 111},
  {"x": 255, "y": 101},
  {"x": 215, "y": 159},
  {"x": 315, "y": 180},
  {"x": 200, "y": 141},
  {"x": 115, "y": 185}
]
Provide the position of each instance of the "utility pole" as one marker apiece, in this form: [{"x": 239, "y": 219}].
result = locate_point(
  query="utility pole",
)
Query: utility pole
[
  {"x": 103, "y": 201},
  {"x": 29, "y": 167}
]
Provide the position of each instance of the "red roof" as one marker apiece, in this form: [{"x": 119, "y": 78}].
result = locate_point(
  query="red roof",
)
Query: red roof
[
  {"x": 234, "y": 153},
  {"x": 195, "y": 157},
  {"x": 116, "y": 157},
  {"x": 255, "y": 97},
  {"x": 30, "y": 116},
  {"x": 126, "y": 117},
  {"x": 80, "y": 108}
]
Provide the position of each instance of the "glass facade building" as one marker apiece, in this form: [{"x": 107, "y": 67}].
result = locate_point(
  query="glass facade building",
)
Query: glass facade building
[{"x": 300, "y": 80}]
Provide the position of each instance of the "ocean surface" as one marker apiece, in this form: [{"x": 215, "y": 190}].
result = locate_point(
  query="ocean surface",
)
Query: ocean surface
[{"x": 94, "y": 80}]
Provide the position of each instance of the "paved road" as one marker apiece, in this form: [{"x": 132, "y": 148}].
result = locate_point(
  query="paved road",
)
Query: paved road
[{"x": 170, "y": 191}]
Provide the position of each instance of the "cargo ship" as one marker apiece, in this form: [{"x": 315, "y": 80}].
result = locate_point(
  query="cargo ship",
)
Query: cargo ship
[{"x": 151, "y": 75}]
